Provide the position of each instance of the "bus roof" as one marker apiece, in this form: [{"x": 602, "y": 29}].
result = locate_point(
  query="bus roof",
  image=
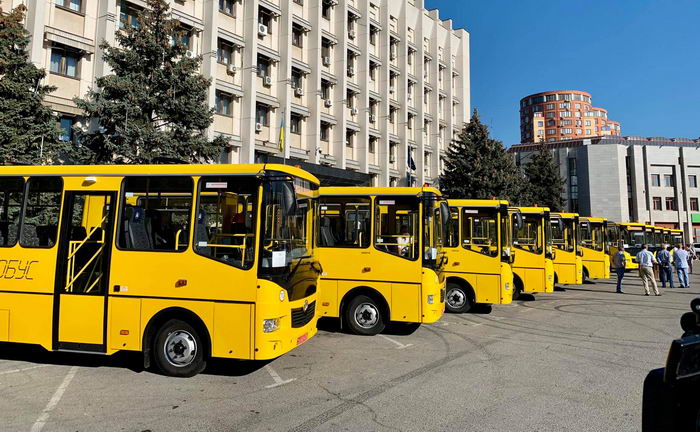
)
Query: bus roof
[
  {"x": 164, "y": 169},
  {"x": 532, "y": 210},
  {"x": 593, "y": 219},
  {"x": 476, "y": 203},
  {"x": 631, "y": 224},
  {"x": 566, "y": 215},
  {"x": 362, "y": 190}
]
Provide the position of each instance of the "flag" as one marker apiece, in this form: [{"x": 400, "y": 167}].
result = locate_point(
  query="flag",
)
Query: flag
[
  {"x": 280, "y": 140},
  {"x": 411, "y": 163}
]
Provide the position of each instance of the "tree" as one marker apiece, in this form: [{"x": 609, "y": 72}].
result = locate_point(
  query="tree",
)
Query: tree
[
  {"x": 478, "y": 167},
  {"x": 154, "y": 104},
  {"x": 29, "y": 133},
  {"x": 544, "y": 183}
]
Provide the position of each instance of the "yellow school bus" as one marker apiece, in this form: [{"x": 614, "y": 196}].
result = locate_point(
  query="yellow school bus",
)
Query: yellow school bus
[
  {"x": 478, "y": 249},
  {"x": 533, "y": 270},
  {"x": 382, "y": 254},
  {"x": 180, "y": 262},
  {"x": 632, "y": 235},
  {"x": 596, "y": 262},
  {"x": 676, "y": 236},
  {"x": 655, "y": 237},
  {"x": 568, "y": 265}
]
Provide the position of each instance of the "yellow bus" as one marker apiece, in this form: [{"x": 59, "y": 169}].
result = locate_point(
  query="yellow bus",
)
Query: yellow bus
[
  {"x": 180, "y": 262},
  {"x": 655, "y": 237},
  {"x": 568, "y": 265},
  {"x": 593, "y": 244},
  {"x": 478, "y": 248},
  {"x": 533, "y": 270},
  {"x": 382, "y": 255},
  {"x": 632, "y": 235},
  {"x": 676, "y": 237}
]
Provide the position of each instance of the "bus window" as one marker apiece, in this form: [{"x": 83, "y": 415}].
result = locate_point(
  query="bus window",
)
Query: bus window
[
  {"x": 527, "y": 237},
  {"x": 226, "y": 216},
  {"x": 40, "y": 222},
  {"x": 452, "y": 235},
  {"x": 156, "y": 213},
  {"x": 345, "y": 222},
  {"x": 396, "y": 226},
  {"x": 480, "y": 231},
  {"x": 11, "y": 196}
]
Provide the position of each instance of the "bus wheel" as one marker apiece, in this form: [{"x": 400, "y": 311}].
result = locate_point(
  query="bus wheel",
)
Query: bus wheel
[
  {"x": 364, "y": 316},
  {"x": 585, "y": 276},
  {"x": 517, "y": 291},
  {"x": 178, "y": 349},
  {"x": 457, "y": 300}
]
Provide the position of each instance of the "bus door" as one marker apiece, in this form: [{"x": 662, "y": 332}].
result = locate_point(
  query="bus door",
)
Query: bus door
[{"x": 80, "y": 304}]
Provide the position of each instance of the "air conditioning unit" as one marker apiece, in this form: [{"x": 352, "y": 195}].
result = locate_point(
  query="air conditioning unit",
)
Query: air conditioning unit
[
  {"x": 333, "y": 2},
  {"x": 190, "y": 54},
  {"x": 351, "y": 71},
  {"x": 392, "y": 90},
  {"x": 372, "y": 118},
  {"x": 298, "y": 91},
  {"x": 231, "y": 69},
  {"x": 328, "y": 103},
  {"x": 326, "y": 61},
  {"x": 262, "y": 30},
  {"x": 268, "y": 80},
  {"x": 353, "y": 111},
  {"x": 258, "y": 127},
  {"x": 351, "y": 34}
]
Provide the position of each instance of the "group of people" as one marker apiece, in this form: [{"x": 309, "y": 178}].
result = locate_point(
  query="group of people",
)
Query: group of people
[{"x": 681, "y": 258}]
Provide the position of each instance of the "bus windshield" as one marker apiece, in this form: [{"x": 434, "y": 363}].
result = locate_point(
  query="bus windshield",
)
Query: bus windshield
[
  {"x": 480, "y": 230},
  {"x": 434, "y": 231},
  {"x": 506, "y": 235},
  {"x": 527, "y": 238}
]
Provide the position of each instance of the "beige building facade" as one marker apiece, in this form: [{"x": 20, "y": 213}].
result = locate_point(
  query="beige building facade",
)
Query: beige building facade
[{"x": 363, "y": 86}]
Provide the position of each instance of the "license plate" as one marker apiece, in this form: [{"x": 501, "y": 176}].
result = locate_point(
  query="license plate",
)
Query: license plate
[{"x": 301, "y": 339}]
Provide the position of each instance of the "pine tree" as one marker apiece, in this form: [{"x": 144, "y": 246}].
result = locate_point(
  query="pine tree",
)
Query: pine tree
[
  {"x": 154, "y": 104},
  {"x": 28, "y": 129},
  {"x": 544, "y": 183},
  {"x": 478, "y": 167}
]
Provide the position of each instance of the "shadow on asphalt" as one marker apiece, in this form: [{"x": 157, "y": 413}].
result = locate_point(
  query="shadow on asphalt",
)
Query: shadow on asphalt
[
  {"x": 332, "y": 325},
  {"x": 559, "y": 289}
]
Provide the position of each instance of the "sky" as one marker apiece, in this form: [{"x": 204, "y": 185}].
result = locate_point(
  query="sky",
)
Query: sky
[{"x": 639, "y": 59}]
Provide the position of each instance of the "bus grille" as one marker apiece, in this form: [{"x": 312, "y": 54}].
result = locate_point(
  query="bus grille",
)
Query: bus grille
[{"x": 301, "y": 318}]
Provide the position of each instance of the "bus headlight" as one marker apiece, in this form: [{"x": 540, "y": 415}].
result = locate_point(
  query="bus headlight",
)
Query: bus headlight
[
  {"x": 507, "y": 286},
  {"x": 431, "y": 299},
  {"x": 282, "y": 295},
  {"x": 270, "y": 325}
]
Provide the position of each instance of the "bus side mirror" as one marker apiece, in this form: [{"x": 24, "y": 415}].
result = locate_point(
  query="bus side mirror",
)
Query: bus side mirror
[{"x": 518, "y": 220}]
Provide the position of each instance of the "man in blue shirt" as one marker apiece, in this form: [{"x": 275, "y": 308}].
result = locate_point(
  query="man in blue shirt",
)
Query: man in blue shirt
[
  {"x": 680, "y": 260},
  {"x": 664, "y": 258},
  {"x": 646, "y": 262}
]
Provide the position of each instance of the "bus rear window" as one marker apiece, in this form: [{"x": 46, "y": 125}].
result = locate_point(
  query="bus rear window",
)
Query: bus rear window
[
  {"x": 11, "y": 196},
  {"x": 40, "y": 223}
]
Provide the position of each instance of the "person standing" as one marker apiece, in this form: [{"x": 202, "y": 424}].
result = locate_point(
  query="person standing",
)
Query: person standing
[
  {"x": 646, "y": 262},
  {"x": 680, "y": 260},
  {"x": 691, "y": 257},
  {"x": 664, "y": 258},
  {"x": 620, "y": 262}
]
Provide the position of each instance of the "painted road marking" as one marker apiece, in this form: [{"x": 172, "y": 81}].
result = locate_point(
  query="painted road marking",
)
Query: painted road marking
[
  {"x": 275, "y": 376},
  {"x": 398, "y": 344},
  {"x": 43, "y": 418},
  {"x": 7, "y": 372}
]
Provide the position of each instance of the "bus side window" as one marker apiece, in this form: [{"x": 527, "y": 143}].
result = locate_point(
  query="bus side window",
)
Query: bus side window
[
  {"x": 452, "y": 235},
  {"x": 11, "y": 197},
  {"x": 396, "y": 226},
  {"x": 225, "y": 225},
  {"x": 40, "y": 222},
  {"x": 156, "y": 213},
  {"x": 345, "y": 222}
]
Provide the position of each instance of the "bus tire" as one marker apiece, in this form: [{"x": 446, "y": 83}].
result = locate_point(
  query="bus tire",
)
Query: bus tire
[
  {"x": 178, "y": 349},
  {"x": 517, "y": 291},
  {"x": 364, "y": 316},
  {"x": 585, "y": 275},
  {"x": 458, "y": 299}
]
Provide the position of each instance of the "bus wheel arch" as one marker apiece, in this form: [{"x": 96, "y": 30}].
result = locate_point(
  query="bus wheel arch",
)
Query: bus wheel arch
[
  {"x": 365, "y": 299},
  {"x": 585, "y": 274},
  {"x": 460, "y": 296},
  {"x": 556, "y": 279},
  {"x": 167, "y": 317},
  {"x": 518, "y": 286}
]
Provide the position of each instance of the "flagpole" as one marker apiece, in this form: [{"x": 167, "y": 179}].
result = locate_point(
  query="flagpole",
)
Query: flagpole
[{"x": 281, "y": 138}]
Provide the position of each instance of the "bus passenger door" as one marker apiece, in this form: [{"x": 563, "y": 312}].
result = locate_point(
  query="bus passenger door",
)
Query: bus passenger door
[{"x": 83, "y": 271}]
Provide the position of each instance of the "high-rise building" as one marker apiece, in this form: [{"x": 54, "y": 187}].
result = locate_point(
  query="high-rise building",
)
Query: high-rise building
[
  {"x": 368, "y": 87},
  {"x": 563, "y": 114}
]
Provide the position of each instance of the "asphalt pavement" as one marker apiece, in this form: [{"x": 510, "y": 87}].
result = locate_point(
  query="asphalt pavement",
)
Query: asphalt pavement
[{"x": 574, "y": 360}]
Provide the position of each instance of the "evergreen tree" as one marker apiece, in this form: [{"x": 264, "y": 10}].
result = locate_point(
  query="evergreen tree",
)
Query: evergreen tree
[
  {"x": 154, "y": 104},
  {"x": 478, "y": 167},
  {"x": 544, "y": 183},
  {"x": 28, "y": 129}
]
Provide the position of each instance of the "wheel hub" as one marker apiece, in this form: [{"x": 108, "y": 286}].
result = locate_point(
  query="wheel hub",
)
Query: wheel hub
[
  {"x": 366, "y": 315},
  {"x": 456, "y": 298},
  {"x": 180, "y": 348}
]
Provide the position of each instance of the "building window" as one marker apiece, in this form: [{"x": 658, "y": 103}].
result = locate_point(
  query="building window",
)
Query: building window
[
  {"x": 551, "y": 131},
  {"x": 224, "y": 103},
  {"x": 297, "y": 36},
  {"x": 694, "y": 204},
  {"x": 295, "y": 123},
  {"x": 325, "y": 49},
  {"x": 74, "y": 5},
  {"x": 226, "y": 6},
  {"x": 349, "y": 138},
  {"x": 262, "y": 114},
  {"x": 373, "y": 35},
  {"x": 573, "y": 185},
  {"x": 224, "y": 52},
  {"x": 693, "y": 181},
  {"x": 66, "y": 126},
  {"x": 265, "y": 18},
  {"x": 299, "y": 2},
  {"x": 540, "y": 123},
  {"x": 671, "y": 204},
  {"x": 656, "y": 203},
  {"x": 264, "y": 66},
  {"x": 350, "y": 99},
  {"x": 550, "y": 114},
  {"x": 184, "y": 36},
  {"x": 668, "y": 180},
  {"x": 325, "y": 90},
  {"x": 655, "y": 180},
  {"x": 64, "y": 61},
  {"x": 372, "y": 144},
  {"x": 297, "y": 78},
  {"x": 128, "y": 15},
  {"x": 325, "y": 131},
  {"x": 326, "y": 10}
]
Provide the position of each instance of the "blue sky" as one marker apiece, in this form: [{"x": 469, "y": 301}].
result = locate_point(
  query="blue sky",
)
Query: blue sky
[{"x": 640, "y": 59}]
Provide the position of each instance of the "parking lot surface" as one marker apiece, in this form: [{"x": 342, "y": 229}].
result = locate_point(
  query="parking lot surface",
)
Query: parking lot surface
[{"x": 573, "y": 360}]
